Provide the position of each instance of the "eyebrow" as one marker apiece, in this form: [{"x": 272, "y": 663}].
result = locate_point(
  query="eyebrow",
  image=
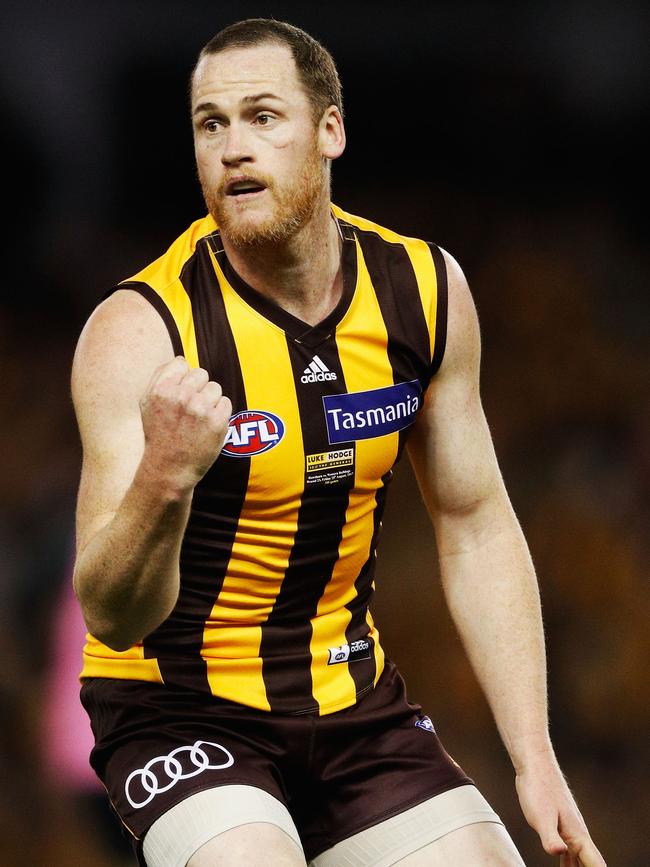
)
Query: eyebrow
[{"x": 247, "y": 100}]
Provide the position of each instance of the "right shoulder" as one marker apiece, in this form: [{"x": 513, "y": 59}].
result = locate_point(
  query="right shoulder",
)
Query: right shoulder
[{"x": 120, "y": 347}]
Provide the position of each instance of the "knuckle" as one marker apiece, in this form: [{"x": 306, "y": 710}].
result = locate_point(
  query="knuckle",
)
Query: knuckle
[
  {"x": 224, "y": 406},
  {"x": 214, "y": 390},
  {"x": 168, "y": 370},
  {"x": 177, "y": 363},
  {"x": 163, "y": 394},
  {"x": 221, "y": 413},
  {"x": 195, "y": 404},
  {"x": 194, "y": 381}
]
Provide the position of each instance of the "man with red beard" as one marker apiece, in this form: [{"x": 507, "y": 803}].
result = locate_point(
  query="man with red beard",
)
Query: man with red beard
[{"x": 241, "y": 402}]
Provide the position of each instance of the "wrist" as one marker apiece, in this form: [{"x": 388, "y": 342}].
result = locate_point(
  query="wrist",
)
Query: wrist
[
  {"x": 532, "y": 754},
  {"x": 164, "y": 481}
]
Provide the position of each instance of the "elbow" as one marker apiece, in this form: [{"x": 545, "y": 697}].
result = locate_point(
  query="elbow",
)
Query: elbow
[
  {"x": 117, "y": 619},
  {"x": 116, "y": 643},
  {"x": 119, "y": 633},
  {"x": 112, "y": 635},
  {"x": 108, "y": 630}
]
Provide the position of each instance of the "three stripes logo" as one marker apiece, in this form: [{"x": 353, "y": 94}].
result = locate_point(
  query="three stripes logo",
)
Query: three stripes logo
[{"x": 317, "y": 371}]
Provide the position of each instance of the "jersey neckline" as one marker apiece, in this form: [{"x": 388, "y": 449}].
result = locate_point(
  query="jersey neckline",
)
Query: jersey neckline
[{"x": 295, "y": 328}]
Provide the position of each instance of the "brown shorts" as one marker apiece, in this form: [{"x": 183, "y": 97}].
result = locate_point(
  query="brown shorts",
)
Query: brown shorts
[{"x": 337, "y": 774}]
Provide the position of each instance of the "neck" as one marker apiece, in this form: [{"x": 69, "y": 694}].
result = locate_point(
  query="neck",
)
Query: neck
[{"x": 302, "y": 274}]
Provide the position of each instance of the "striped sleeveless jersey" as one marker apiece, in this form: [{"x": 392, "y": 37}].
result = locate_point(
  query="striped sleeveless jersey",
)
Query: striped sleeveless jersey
[{"x": 278, "y": 557}]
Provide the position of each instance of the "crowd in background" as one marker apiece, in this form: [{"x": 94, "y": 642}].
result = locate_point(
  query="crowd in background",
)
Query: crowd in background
[{"x": 536, "y": 193}]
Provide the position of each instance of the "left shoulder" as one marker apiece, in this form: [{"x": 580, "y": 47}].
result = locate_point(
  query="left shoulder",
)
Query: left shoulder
[
  {"x": 463, "y": 342},
  {"x": 366, "y": 225}
]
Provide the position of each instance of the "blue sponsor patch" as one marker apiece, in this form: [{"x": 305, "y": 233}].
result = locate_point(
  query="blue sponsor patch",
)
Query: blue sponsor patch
[
  {"x": 363, "y": 415},
  {"x": 424, "y": 722}
]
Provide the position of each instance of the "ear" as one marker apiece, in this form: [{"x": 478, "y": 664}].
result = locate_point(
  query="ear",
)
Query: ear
[{"x": 331, "y": 133}]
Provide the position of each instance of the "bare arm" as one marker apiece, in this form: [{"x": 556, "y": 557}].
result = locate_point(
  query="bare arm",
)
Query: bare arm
[
  {"x": 488, "y": 576},
  {"x": 150, "y": 429}
]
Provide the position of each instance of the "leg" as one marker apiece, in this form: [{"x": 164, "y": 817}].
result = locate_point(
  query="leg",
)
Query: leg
[
  {"x": 484, "y": 843},
  {"x": 224, "y": 827},
  {"x": 455, "y": 827},
  {"x": 255, "y": 843}
]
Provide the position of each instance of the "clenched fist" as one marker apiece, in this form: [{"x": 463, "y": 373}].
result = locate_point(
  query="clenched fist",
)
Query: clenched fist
[{"x": 185, "y": 419}]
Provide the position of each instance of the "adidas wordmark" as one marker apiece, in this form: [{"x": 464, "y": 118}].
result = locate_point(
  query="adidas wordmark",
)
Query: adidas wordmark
[{"x": 317, "y": 371}]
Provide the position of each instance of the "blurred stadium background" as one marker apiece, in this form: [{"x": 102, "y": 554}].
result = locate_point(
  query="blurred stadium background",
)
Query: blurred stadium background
[{"x": 515, "y": 136}]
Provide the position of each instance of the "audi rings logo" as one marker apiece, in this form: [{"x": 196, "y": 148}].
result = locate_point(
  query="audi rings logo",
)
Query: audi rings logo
[{"x": 181, "y": 764}]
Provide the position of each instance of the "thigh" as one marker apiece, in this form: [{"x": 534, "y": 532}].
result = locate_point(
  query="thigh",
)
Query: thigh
[
  {"x": 373, "y": 761},
  {"x": 229, "y": 825},
  {"x": 428, "y": 833},
  {"x": 486, "y": 844},
  {"x": 156, "y": 749},
  {"x": 256, "y": 843}
]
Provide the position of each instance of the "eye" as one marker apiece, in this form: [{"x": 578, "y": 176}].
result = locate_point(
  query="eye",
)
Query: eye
[
  {"x": 263, "y": 119},
  {"x": 212, "y": 125}
]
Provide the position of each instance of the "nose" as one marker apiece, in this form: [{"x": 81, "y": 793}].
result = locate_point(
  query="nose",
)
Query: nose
[{"x": 237, "y": 146}]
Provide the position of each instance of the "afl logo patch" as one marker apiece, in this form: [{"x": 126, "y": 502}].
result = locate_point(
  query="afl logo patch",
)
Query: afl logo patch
[{"x": 252, "y": 432}]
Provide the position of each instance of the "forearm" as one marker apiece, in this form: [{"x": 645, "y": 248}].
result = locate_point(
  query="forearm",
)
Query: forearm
[
  {"x": 127, "y": 576},
  {"x": 492, "y": 593}
]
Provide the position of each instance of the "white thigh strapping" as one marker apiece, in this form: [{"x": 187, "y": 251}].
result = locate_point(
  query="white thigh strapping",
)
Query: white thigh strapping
[
  {"x": 387, "y": 842},
  {"x": 177, "y": 834}
]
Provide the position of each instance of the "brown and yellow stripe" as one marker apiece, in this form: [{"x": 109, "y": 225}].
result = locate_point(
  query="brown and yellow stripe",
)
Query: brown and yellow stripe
[{"x": 277, "y": 562}]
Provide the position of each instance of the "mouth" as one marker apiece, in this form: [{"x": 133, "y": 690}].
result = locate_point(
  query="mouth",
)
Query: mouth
[{"x": 244, "y": 189}]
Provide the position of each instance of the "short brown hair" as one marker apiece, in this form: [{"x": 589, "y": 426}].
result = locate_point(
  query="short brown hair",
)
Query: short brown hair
[{"x": 316, "y": 67}]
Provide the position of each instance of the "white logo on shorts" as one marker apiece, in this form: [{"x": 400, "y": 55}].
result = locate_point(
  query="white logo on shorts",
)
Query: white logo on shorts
[{"x": 147, "y": 781}]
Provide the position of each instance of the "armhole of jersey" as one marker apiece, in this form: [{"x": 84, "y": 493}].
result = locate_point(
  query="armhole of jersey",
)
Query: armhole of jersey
[
  {"x": 440, "y": 339},
  {"x": 156, "y": 301}
]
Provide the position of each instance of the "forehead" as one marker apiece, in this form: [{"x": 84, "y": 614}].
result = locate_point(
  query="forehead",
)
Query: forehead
[{"x": 237, "y": 72}]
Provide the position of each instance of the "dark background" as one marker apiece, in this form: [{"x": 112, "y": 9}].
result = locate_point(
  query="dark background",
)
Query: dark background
[{"x": 513, "y": 136}]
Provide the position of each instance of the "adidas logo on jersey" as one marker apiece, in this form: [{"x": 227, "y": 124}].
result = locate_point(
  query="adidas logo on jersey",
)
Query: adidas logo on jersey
[{"x": 317, "y": 372}]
